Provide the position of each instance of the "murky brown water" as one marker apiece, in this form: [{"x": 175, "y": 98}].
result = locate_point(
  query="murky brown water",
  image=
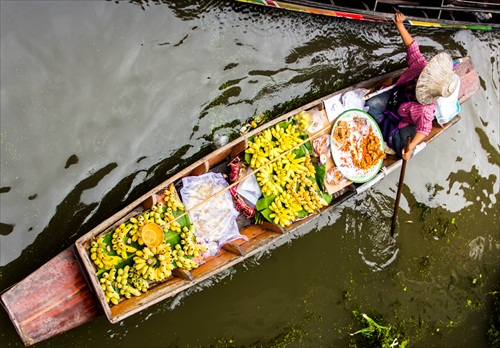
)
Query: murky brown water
[{"x": 101, "y": 101}]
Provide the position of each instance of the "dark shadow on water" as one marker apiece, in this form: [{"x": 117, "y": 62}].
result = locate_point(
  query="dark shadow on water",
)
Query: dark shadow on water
[
  {"x": 183, "y": 9},
  {"x": 4, "y": 189},
  {"x": 73, "y": 159},
  {"x": 73, "y": 218},
  {"x": 6, "y": 229}
]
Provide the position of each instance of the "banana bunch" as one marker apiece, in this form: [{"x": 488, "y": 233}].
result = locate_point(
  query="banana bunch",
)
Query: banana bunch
[
  {"x": 181, "y": 260},
  {"x": 310, "y": 199},
  {"x": 108, "y": 284},
  {"x": 138, "y": 281},
  {"x": 260, "y": 154},
  {"x": 286, "y": 138},
  {"x": 116, "y": 283},
  {"x": 291, "y": 202},
  {"x": 268, "y": 181},
  {"x": 188, "y": 242},
  {"x": 303, "y": 121},
  {"x": 132, "y": 232},
  {"x": 309, "y": 166},
  {"x": 160, "y": 215},
  {"x": 266, "y": 147},
  {"x": 281, "y": 215},
  {"x": 294, "y": 163},
  {"x": 121, "y": 240},
  {"x": 124, "y": 283},
  {"x": 283, "y": 176},
  {"x": 171, "y": 199},
  {"x": 155, "y": 214},
  {"x": 154, "y": 263},
  {"x": 169, "y": 217},
  {"x": 99, "y": 254}
]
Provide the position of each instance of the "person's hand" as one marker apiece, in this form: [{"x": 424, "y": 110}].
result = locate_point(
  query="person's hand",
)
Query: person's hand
[
  {"x": 406, "y": 155},
  {"x": 399, "y": 18}
]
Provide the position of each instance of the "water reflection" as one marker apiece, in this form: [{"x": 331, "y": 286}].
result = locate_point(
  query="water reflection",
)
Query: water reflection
[
  {"x": 184, "y": 9},
  {"x": 138, "y": 91},
  {"x": 370, "y": 222}
]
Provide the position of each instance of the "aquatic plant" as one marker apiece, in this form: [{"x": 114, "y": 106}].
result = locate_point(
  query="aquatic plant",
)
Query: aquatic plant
[{"x": 376, "y": 335}]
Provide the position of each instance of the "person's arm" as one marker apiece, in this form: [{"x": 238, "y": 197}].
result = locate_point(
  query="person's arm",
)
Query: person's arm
[
  {"x": 405, "y": 35},
  {"x": 417, "y": 139}
]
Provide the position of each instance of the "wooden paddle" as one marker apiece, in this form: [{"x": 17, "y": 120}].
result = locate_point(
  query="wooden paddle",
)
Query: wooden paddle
[{"x": 400, "y": 188}]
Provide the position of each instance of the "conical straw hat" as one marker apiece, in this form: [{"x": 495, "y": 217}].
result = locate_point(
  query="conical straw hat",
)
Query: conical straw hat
[{"x": 437, "y": 79}]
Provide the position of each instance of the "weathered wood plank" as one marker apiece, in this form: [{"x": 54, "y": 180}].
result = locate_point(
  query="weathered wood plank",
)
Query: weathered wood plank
[
  {"x": 261, "y": 240},
  {"x": 201, "y": 169},
  {"x": 238, "y": 148},
  {"x": 183, "y": 274},
  {"x": 233, "y": 248},
  {"x": 51, "y": 300}
]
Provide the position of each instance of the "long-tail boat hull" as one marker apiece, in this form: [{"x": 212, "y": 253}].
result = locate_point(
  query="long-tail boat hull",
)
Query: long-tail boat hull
[
  {"x": 480, "y": 15},
  {"x": 66, "y": 293}
]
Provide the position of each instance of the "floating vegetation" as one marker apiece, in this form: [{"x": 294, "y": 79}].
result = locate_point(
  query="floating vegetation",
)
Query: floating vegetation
[
  {"x": 437, "y": 226},
  {"x": 374, "y": 334}
]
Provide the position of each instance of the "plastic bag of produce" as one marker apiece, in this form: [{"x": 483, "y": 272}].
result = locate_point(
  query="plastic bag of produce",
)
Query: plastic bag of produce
[{"x": 214, "y": 220}]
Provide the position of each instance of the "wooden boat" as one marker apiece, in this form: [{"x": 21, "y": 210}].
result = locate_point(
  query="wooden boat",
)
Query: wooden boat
[
  {"x": 66, "y": 292},
  {"x": 457, "y": 14}
]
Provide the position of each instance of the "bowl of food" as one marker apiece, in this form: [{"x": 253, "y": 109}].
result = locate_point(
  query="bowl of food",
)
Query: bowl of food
[
  {"x": 357, "y": 146},
  {"x": 152, "y": 234}
]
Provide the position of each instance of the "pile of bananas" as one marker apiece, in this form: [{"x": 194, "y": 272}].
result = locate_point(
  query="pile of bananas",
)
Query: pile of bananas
[
  {"x": 301, "y": 193},
  {"x": 291, "y": 177},
  {"x": 171, "y": 199},
  {"x": 99, "y": 254},
  {"x": 303, "y": 120},
  {"x": 188, "y": 242},
  {"x": 181, "y": 260},
  {"x": 270, "y": 183},
  {"x": 284, "y": 209},
  {"x": 154, "y": 263},
  {"x": 108, "y": 283},
  {"x": 169, "y": 217},
  {"x": 271, "y": 143},
  {"x": 138, "y": 281},
  {"x": 116, "y": 283},
  {"x": 122, "y": 238},
  {"x": 150, "y": 264}
]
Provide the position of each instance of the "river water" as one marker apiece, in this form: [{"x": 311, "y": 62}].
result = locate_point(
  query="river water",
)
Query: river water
[{"x": 101, "y": 101}]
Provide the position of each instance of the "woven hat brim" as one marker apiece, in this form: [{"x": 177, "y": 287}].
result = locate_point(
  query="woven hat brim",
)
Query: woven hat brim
[{"x": 432, "y": 78}]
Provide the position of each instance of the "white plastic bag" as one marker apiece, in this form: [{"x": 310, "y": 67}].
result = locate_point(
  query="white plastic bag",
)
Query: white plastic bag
[
  {"x": 249, "y": 188},
  {"x": 354, "y": 99},
  {"x": 214, "y": 220},
  {"x": 447, "y": 108},
  {"x": 339, "y": 103}
]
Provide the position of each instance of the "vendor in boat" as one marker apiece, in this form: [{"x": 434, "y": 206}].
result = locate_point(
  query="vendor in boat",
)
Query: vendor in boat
[{"x": 407, "y": 110}]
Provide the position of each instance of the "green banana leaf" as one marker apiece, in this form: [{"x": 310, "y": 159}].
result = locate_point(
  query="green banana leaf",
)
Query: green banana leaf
[{"x": 264, "y": 202}]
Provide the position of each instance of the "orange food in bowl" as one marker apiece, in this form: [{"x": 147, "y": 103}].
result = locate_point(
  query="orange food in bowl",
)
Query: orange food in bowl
[{"x": 152, "y": 234}]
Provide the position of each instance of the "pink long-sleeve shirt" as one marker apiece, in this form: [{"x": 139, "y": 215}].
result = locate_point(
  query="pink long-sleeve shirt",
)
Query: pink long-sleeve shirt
[{"x": 414, "y": 112}]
